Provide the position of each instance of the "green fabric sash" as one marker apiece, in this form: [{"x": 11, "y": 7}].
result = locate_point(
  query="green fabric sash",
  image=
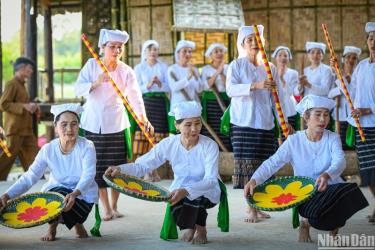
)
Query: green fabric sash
[
  {"x": 225, "y": 122},
  {"x": 210, "y": 96},
  {"x": 169, "y": 228},
  {"x": 350, "y": 136},
  {"x": 295, "y": 218}
]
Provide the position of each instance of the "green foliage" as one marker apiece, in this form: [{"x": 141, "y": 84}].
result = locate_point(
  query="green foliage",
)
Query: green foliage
[{"x": 11, "y": 51}]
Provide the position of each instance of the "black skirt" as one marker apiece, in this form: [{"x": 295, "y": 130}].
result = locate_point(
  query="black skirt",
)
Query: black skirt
[
  {"x": 214, "y": 114},
  {"x": 366, "y": 156},
  {"x": 110, "y": 149},
  {"x": 187, "y": 213},
  {"x": 330, "y": 209},
  {"x": 79, "y": 212},
  {"x": 250, "y": 147},
  {"x": 156, "y": 111}
]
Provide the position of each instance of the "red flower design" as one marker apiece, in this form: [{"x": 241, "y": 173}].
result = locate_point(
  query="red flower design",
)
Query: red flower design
[
  {"x": 138, "y": 191},
  {"x": 284, "y": 199},
  {"x": 32, "y": 214}
]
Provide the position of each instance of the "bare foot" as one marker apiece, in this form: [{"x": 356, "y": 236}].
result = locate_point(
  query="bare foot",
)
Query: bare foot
[
  {"x": 152, "y": 177},
  {"x": 117, "y": 214},
  {"x": 252, "y": 216},
  {"x": 80, "y": 231},
  {"x": 188, "y": 235},
  {"x": 263, "y": 215},
  {"x": 200, "y": 236},
  {"x": 107, "y": 216},
  {"x": 51, "y": 234},
  {"x": 304, "y": 232}
]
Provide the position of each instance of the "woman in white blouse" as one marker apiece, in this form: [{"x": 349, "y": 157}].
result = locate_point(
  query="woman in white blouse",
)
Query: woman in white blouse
[
  {"x": 317, "y": 79},
  {"x": 105, "y": 120},
  {"x": 288, "y": 80},
  {"x": 251, "y": 111},
  {"x": 316, "y": 153},
  {"x": 341, "y": 112},
  {"x": 71, "y": 161},
  {"x": 183, "y": 77},
  {"x": 194, "y": 160},
  {"x": 363, "y": 93},
  {"x": 213, "y": 79},
  {"x": 152, "y": 79}
]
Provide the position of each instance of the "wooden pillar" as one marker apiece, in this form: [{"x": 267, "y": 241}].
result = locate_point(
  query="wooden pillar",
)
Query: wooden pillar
[
  {"x": 48, "y": 61},
  {"x": 1, "y": 69},
  {"x": 31, "y": 49}
]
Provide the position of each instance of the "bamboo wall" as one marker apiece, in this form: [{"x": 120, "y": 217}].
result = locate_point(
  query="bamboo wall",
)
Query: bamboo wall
[
  {"x": 293, "y": 22},
  {"x": 287, "y": 22}
]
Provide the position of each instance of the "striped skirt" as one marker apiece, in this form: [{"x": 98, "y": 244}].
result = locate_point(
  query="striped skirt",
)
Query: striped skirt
[
  {"x": 187, "y": 213},
  {"x": 366, "y": 156},
  {"x": 330, "y": 209},
  {"x": 157, "y": 114},
  {"x": 79, "y": 212},
  {"x": 110, "y": 151},
  {"x": 214, "y": 114},
  {"x": 343, "y": 130},
  {"x": 250, "y": 147}
]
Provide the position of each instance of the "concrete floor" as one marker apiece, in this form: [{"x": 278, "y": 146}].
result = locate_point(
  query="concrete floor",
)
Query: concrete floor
[{"x": 140, "y": 228}]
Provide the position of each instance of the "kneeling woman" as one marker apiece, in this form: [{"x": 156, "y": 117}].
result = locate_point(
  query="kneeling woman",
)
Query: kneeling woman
[
  {"x": 71, "y": 160},
  {"x": 316, "y": 153},
  {"x": 194, "y": 160}
]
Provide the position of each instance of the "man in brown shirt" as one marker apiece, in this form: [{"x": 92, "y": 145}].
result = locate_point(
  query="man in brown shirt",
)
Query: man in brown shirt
[{"x": 18, "y": 111}]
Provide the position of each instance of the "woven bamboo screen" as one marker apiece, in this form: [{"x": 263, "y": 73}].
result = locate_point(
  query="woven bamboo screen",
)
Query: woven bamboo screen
[{"x": 293, "y": 22}]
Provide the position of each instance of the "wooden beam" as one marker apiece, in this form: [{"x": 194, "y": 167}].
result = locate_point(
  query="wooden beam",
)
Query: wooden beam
[
  {"x": 1, "y": 69},
  {"x": 48, "y": 53},
  {"x": 31, "y": 48}
]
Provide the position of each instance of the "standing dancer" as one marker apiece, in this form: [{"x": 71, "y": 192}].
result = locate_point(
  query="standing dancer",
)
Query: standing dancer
[
  {"x": 289, "y": 81},
  {"x": 104, "y": 118},
  {"x": 363, "y": 92},
  {"x": 251, "y": 111},
  {"x": 152, "y": 78},
  {"x": 342, "y": 111},
  {"x": 214, "y": 98}
]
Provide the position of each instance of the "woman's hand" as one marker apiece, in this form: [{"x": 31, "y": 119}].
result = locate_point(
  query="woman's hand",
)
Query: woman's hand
[
  {"x": 155, "y": 80},
  {"x": 70, "y": 200},
  {"x": 2, "y": 134},
  {"x": 359, "y": 112},
  {"x": 101, "y": 79},
  {"x": 333, "y": 63},
  {"x": 192, "y": 72},
  {"x": 303, "y": 82},
  {"x": 176, "y": 195},
  {"x": 266, "y": 84},
  {"x": 113, "y": 171},
  {"x": 322, "y": 181},
  {"x": 148, "y": 127},
  {"x": 4, "y": 200},
  {"x": 249, "y": 188}
]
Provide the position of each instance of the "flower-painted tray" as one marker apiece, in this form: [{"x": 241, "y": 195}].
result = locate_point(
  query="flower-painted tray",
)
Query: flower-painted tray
[
  {"x": 137, "y": 188},
  {"x": 282, "y": 193},
  {"x": 32, "y": 210}
]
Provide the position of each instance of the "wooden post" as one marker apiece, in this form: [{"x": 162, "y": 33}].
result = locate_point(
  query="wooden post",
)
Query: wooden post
[
  {"x": 31, "y": 49},
  {"x": 48, "y": 61},
  {"x": 1, "y": 69}
]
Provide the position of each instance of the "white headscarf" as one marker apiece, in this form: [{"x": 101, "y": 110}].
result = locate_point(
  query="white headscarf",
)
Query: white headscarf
[
  {"x": 214, "y": 46},
  {"x": 182, "y": 44},
  {"x": 112, "y": 36},
  {"x": 314, "y": 101},
  {"x": 145, "y": 46},
  {"x": 243, "y": 32},
  {"x": 184, "y": 110},
  {"x": 315, "y": 45},
  {"x": 61, "y": 108},
  {"x": 351, "y": 49},
  {"x": 370, "y": 26},
  {"x": 280, "y": 48}
]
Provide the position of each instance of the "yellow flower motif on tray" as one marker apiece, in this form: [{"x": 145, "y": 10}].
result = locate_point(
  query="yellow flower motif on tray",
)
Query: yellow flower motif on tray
[
  {"x": 275, "y": 196},
  {"x": 135, "y": 187},
  {"x": 26, "y": 213}
]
